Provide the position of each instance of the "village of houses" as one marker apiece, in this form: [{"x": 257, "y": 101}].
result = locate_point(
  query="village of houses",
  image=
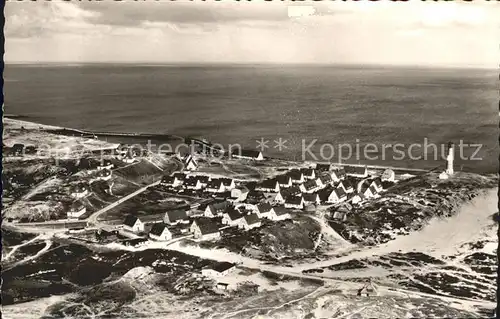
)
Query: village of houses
[{"x": 233, "y": 204}]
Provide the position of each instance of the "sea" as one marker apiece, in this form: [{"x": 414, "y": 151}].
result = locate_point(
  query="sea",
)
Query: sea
[{"x": 376, "y": 115}]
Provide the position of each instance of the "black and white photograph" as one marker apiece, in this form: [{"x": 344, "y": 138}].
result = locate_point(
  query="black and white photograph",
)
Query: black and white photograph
[{"x": 250, "y": 159}]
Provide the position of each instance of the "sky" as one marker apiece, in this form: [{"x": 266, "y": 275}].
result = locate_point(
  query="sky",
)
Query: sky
[{"x": 459, "y": 34}]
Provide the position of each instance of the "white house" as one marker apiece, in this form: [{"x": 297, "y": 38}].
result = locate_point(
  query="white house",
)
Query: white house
[
  {"x": 79, "y": 191},
  {"x": 204, "y": 230},
  {"x": 340, "y": 215},
  {"x": 356, "y": 171},
  {"x": 133, "y": 223},
  {"x": 308, "y": 173},
  {"x": 367, "y": 192},
  {"x": 388, "y": 175},
  {"x": 160, "y": 232},
  {"x": 228, "y": 183},
  {"x": 218, "y": 270},
  {"x": 297, "y": 176},
  {"x": 264, "y": 210},
  {"x": 358, "y": 198},
  {"x": 216, "y": 209},
  {"x": 311, "y": 198},
  {"x": 294, "y": 202},
  {"x": 248, "y": 154},
  {"x": 215, "y": 186},
  {"x": 279, "y": 213},
  {"x": 270, "y": 185},
  {"x": 279, "y": 198},
  {"x": 190, "y": 163},
  {"x": 193, "y": 182},
  {"x": 231, "y": 217},
  {"x": 324, "y": 180},
  {"x": 377, "y": 185},
  {"x": 249, "y": 221},
  {"x": 226, "y": 286},
  {"x": 336, "y": 196},
  {"x": 239, "y": 194},
  {"x": 309, "y": 186},
  {"x": 346, "y": 186},
  {"x": 76, "y": 211},
  {"x": 173, "y": 217},
  {"x": 171, "y": 181},
  {"x": 284, "y": 181}
]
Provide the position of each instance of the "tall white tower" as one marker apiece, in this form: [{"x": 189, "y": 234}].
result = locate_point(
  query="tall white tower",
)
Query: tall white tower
[{"x": 450, "y": 158}]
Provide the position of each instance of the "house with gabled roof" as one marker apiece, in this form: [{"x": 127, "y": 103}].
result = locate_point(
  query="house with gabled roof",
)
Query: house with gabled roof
[
  {"x": 228, "y": 183},
  {"x": 323, "y": 167},
  {"x": 312, "y": 198},
  {"x": 340, "y": 174},
  {"x": 76, "y": 211},
  {"x": 292, "y": 191},
  {"x": 356, "y": 171},
  {"x": 377, "y": 184},
  {"x": 239, "y": 194},
  {"x": 193, "y": 182},
  {"x": 249, "y": 221},
  {"x": 340, "y": 215},
  {"x": 336, "y": 196},
  {"x": 366, "y": 191},
  {"x": 279, "y": 213},
  {"x": 324, "y": 180},
  {"x": 173, "y": 217},
  {"x": 215, "y": 186},
  {"x": 190, "y": 163},
  {"x": 308, "y": 173},
  {"x": 309, "y": 186},
  {"x": 294, "y": 202},
  {"x": 264, "y": 210},
  {"x": 160, "y": 232},
  {"x": 133, "y": 224},
  {"x": 216, "y": 209},
  {"x": 346, "y": 186},
  {"x": 279, "y": 198},
  {"x": 357, "y": 198},
  {"x": 269, "y": 185},
  {"x": 231, "y": 217},
  {"x": 284, "y": 181},
  {"x": 220, "y": 269},
  {"x": 204, "y": 229},
  {"x": 296, "y": 176},
  {"x": 248, "y": 154}
]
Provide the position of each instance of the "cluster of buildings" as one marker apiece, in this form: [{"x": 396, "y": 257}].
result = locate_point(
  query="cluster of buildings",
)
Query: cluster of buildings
[
  {"x": 298, "y": 188},
  {"x": 192, "y": 182}
]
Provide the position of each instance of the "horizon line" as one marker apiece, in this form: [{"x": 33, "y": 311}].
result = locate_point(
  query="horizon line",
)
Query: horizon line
[{"x": 312, "y": 64}]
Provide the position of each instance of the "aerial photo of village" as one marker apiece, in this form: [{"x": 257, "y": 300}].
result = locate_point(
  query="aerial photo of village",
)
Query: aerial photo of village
[
  {"x": 102, "y": 230},
  {"x": 250, "y": 159}
]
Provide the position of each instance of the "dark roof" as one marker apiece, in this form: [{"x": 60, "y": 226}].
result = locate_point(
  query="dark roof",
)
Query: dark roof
[
  {"x": 347, "y": 184},
  {"x": 252, "y": 219},
  {"x": 234, "y": 214},
  {"x": 130, "y": 220},
  {"x": 226, "y": 181},
  {"x": 310, "y": 197},
  {"x": 207, "y": 226},
  {"x": 280, "y": 210},
  {"x": 264, "y": 207},
  {"x": 339, "y": 172},
  {"x": 269, "y": 183},
  {"x": 292, "y": 190},
  {"x": 247, "y": 153},
  {"x": 179, "y": 175},
  {"x": 323, "y": 167},
  {"x": 310, "y": 184},
  {"x": 307, "y": 171},
  {"x": 294, "y": 200},
  {"x": 355, "y": 169},
  {"x": 168, "y": 179},
  {"x": 340, "y": 192},
  {"x": 373, "y": 190},
  {"x": 157, "y": 229},
  {"x": 295, "y": 174},
  {"x": 190, "y": 181},
  {"x": 219, "y": 206},
  {"x": 222, "y": 266},
  {"x": 202, "y": 178},
  {"x": 284, "y": 179},
  {"x": 175, "y": 215},
  {"x": 215, "y": 183},
  {"x": 325, "y": 193},
  {"x": 75, "y": 206},
  {"x": 325, "y": 178}
]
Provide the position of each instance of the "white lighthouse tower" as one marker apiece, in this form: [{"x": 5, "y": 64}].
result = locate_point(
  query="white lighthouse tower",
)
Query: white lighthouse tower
[
  {"x": 450, "y": 158},
  {"x": 449, "y": 162}
]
